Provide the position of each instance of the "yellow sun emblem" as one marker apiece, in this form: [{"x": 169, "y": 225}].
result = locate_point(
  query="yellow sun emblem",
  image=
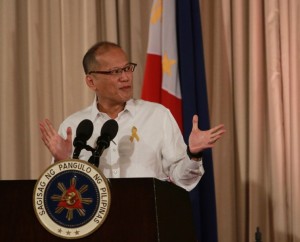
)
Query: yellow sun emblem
[{"x": 71, "y": 199}]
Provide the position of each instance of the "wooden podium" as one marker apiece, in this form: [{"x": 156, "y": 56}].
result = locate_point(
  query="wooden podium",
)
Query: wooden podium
[{"x": 142, "y": 210}]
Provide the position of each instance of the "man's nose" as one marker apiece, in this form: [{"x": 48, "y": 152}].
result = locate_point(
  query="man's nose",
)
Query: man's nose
[{"x": 124, "y": 76}]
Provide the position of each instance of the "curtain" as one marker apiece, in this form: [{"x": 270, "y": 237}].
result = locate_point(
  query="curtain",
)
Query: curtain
[
  {"x": 252, "y": 71},
  {"x": 253, "y": 79},
  {"x": 41, "y": 48}
]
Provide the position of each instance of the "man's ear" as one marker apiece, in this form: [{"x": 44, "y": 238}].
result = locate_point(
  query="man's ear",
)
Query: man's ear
[{"x": 90, "y": 82}]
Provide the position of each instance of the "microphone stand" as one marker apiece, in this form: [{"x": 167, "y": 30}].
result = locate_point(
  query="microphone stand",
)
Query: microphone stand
[
  {"x": 95, "y": 158},
  {"x": 78, "y": 149},
  {"x": 108, "y": 132},
  {"x": 102, "y": 144}
]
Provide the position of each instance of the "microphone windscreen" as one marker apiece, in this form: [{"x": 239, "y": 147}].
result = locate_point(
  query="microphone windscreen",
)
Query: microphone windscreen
[
  {"x": 84, "y": 130},
  {"x": 110, "y": 129}
]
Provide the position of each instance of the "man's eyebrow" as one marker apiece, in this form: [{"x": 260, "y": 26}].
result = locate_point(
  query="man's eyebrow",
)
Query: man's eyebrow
[{"x": 117, "y": 67}]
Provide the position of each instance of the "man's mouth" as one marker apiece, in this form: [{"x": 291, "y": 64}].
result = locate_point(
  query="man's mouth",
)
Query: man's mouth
[{"x": 125, "y": 87}]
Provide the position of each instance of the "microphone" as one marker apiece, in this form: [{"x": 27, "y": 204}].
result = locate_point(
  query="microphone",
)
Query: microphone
[
  {"x": 108, "y": 132},
  {"x": 84, "y": 131}
]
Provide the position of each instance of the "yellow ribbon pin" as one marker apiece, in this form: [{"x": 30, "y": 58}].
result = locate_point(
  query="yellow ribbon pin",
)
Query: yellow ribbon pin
[{"x": 134, "y": 134}]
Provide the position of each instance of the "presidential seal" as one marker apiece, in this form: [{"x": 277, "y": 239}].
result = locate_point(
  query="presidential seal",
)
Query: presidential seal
[{"x": 71, "y": 199}]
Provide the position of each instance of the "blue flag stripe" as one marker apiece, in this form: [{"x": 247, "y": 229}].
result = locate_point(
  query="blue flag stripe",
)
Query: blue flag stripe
[{"x": 194, "y": 101}]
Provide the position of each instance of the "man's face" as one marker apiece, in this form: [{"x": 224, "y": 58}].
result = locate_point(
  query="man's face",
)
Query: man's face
[{"x": 113, "y": 89}]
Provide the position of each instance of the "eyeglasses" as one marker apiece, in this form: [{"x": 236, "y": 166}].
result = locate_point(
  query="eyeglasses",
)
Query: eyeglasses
[{"x": 128, "y": 68}]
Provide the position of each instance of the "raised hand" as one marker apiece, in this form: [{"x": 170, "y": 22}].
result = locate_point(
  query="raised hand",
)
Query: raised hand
[
  {"x": 59, "y": 147},
  {"x": 200, "y": 140}
]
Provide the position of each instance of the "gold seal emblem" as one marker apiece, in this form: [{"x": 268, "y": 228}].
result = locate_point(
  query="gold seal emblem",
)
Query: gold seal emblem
[{"x": 71, "y": 199}]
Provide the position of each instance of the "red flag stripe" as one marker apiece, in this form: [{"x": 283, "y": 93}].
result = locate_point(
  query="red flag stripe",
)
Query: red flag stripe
[
  {"x": 161, "y": 82},
  {"x": 174, "y": 104},
  {"x": 152, "y": 80}
]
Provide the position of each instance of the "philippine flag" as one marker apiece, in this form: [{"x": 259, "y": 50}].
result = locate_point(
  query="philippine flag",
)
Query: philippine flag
[
  {"x": 175, "y": 48},
  {"x": 161, "y": 81}
]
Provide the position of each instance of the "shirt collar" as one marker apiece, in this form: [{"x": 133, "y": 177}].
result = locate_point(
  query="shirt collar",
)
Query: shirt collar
[
  {"x": 94, "y": 110},
  {"x": 129, "y": 107}
]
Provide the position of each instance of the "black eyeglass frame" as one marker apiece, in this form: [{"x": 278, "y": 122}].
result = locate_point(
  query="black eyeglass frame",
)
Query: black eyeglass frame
[{"x": 116, "y": 71}]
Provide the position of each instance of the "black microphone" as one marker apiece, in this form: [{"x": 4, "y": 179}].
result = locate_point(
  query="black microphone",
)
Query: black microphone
[
  {"x": 109, "y": 131},
  {"x": 84, "y": 131}
]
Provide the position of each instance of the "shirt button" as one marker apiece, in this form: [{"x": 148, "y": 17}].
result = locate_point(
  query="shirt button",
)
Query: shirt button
[
  {"x": 115, "y": 172},
  {"x": 114, "y": 150}
]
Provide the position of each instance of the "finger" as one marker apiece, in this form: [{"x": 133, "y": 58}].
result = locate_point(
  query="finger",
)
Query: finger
[
  {"x": 214, "y": 139},
  {"x": 45, "y": 141},
  {"x": 195, "y": 122},
  {"x": 50, "y": 127},
  {"x": 69, "y": 134},
  {"x": 217, "y": 128},
  {"x": 42, "y": 128},
  {"x": 44, "y": 132},
  {"x": 217, "y": 133}
]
